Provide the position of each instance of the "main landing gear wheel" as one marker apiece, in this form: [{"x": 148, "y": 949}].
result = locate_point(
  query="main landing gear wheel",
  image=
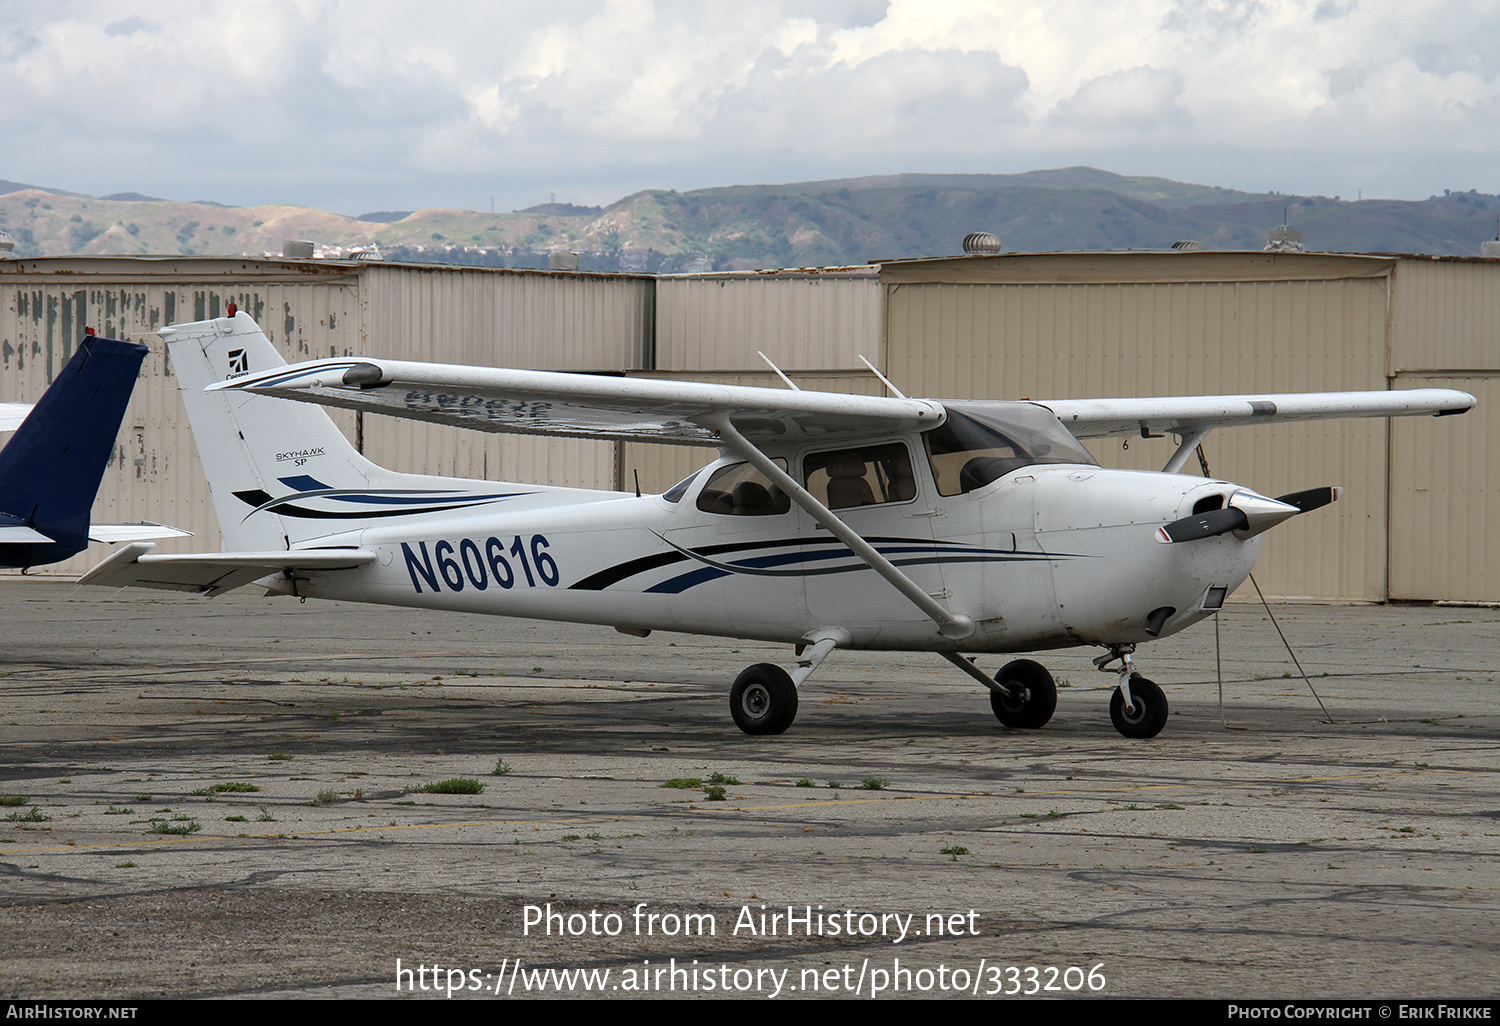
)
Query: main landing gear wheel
[
  {"x": 763, "y": 699},
  {"x": 1147, "y": 713},
  {"x": 1033, "y": 697}
]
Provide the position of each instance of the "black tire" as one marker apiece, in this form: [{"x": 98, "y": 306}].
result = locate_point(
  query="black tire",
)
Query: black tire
[
  {"x": 1149, "y": 713},
  {"x": 1037, "y": 700},
  {"x": 763, "y": 700}
]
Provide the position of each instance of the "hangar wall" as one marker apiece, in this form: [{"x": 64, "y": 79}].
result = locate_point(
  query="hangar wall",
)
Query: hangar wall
[
  {"x": 529, "y": 319},
  {"x": 814, "y": 323},
  {"x": 1178, "y": 324},
  {"x": 804, "y": 320},
  {"x": 1169, "y": 323},
  {"x": 310, "y": 310},
  {"x": 1445, "y": 511},
  {"x": 155, "y": 472},
  {"x": 1417, "y": 521}
]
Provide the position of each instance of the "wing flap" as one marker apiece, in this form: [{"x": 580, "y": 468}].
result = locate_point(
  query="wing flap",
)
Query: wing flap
[
  {"x": 585, "y": 405},
  {"x": 210, "y": 573}
]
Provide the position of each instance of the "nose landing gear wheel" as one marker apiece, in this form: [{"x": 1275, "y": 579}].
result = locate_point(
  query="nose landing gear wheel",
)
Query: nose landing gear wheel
[
  {"x": 1148, "y": 711},
  {"x": 1033, "y": 697},
  {"x": 763, "y": 700}
]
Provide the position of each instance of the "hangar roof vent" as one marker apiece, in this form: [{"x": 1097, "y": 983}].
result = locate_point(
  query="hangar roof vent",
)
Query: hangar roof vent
[
  {"x": 1284, "y": 238},
  {"x": 1487, "y": 248},
  {"x": 981, "y": 244},
  {"x": 1187, "y": 245}
]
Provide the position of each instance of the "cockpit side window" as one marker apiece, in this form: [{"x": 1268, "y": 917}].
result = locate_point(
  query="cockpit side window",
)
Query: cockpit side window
[
  {"x": 740, "y": 490},
  {"x": 984, "y": 443}
]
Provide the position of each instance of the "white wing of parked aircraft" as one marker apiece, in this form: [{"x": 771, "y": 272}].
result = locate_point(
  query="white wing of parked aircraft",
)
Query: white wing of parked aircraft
[
  {"x": 641, "y": 409},
  {"x": 584, "y": 405}
]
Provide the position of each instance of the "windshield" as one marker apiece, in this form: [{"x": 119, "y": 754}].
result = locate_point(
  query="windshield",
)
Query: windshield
[{"x": 981, "y": 442}]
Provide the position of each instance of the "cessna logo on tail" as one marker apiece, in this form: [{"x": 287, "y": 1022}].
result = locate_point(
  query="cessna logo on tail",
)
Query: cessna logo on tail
[{"x": 239, "y": 363}]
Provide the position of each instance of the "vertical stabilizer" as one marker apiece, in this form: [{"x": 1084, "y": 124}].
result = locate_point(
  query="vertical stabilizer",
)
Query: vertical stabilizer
[{"x": 51, "y": 468}]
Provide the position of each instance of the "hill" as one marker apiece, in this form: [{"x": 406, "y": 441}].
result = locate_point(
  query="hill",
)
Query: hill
[{"x": 841, "y": 221}]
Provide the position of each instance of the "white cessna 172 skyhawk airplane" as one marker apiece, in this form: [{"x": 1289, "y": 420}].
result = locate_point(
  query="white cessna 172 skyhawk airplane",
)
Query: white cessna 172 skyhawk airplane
[{"x": 828, "y": 521}]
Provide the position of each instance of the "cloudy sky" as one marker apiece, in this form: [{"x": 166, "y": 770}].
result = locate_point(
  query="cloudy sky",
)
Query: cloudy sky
[{"x": 369, "y": 105}]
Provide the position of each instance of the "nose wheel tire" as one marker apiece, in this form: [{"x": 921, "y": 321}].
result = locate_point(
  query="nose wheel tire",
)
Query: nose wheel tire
[
  {"x": 763, "y": 699},
  {"x": 1147, "y": 713},
  {"x": 1033, "y": 697}
]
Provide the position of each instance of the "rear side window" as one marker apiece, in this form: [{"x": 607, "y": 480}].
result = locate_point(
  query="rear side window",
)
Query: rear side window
[
  {"x": 867, "y": 476},
  {"x": 676, "y": 492},
  {"x": 739, "y": 490}
]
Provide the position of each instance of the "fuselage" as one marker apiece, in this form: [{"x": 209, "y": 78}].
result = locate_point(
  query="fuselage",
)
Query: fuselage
[{"x": 1046, "y": 555}]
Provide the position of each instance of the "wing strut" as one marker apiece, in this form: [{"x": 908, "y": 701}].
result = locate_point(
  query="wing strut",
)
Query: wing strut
[
  {"x": 950, "y": 625},
  {"x": 1190, "y": 441}
]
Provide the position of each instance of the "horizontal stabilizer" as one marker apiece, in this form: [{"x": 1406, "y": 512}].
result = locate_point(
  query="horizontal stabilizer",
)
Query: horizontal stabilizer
[
  {"x": 211, "y": 573},
  {"x": 20, "y": 534},
  {"x": 143, "y": 531},
  {"x": 11, "y": 415}
]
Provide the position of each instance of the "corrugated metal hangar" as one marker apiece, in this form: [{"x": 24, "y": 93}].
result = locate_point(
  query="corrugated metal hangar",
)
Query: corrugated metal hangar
[{"x": 1416, "y": 523}]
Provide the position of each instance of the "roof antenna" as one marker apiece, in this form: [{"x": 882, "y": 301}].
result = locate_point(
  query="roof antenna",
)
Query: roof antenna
[
  {"x": 789, "y": 383},
  {"x": 882, "y": 377}
]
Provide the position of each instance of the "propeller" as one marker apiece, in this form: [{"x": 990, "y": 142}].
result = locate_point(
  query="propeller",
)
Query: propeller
[
  {"x": 1247, "y": 514},
  {"x": 1313, "y": 498},
  {"x": 1204, "y": 525}
]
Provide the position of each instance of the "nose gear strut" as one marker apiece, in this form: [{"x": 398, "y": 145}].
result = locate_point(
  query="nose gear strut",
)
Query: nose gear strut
[{"x": 1138, "y": 707}]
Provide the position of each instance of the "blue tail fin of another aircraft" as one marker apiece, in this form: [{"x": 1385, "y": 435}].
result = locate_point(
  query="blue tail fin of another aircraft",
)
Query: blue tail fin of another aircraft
[{"x": 51, "y": 468}]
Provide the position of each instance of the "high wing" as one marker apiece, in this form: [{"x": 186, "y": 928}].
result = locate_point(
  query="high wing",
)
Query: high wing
[
  {"x": 1100, "y": 418},
  {"x": 586, "y": 405},
  {"x": 637, "y": 409}
]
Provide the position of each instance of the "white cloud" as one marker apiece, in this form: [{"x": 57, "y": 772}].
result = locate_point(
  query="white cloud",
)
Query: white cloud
[
  {"x": 1125, "y": 101},
  {"x": 386, "y": 105}
]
